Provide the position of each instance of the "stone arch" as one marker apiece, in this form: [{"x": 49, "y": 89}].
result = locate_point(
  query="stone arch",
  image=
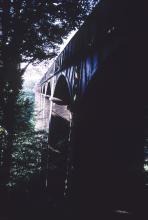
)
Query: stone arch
[{"x": 62, "y": 91}]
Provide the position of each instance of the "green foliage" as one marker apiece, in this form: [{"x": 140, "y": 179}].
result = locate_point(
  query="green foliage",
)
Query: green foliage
[
  {"x": 27, "y": 146},
  {"x": 24, "y": 113},
  {"x": 27, "y": 156}
]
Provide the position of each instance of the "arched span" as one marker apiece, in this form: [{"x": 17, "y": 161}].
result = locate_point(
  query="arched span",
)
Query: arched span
[
  {"x": 48, "y": 90},
  {"x": 62, "y": 91}
]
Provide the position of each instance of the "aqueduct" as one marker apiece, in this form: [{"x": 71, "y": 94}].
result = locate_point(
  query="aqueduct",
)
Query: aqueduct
[{"x": 96, "y": 79}]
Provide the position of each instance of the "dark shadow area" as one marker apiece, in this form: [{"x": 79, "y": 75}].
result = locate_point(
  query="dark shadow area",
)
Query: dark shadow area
[
  {"x": 42, "y": 197},
  {"x": 108, "y": 142},
  {"x": 58, "y": 141}
]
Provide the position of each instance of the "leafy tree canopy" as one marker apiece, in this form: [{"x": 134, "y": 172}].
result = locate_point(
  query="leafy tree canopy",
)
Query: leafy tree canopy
[{"x": 34, "y": 29}]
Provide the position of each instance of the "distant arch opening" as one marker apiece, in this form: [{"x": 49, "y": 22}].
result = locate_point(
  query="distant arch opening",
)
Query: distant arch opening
[
  {"x": 43, "y": 90},
  {"x": 48, "y": 90}
]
